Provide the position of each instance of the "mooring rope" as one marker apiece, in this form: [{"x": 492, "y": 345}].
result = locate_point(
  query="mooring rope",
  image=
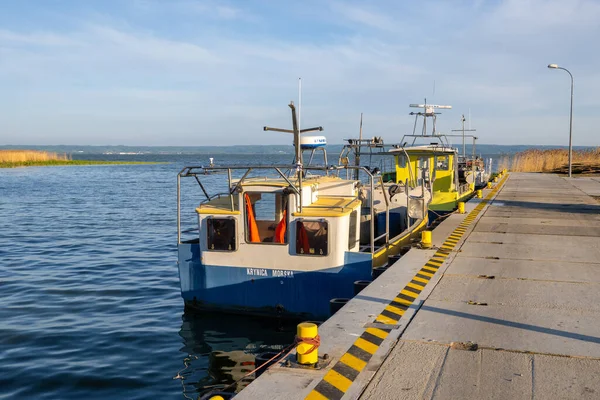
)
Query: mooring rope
[{"x": 315, "y": 342}]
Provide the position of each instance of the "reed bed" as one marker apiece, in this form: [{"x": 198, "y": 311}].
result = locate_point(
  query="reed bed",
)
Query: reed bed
[
  {"x": 553, "y": 160},
  {"x": 29, "y": 156},
  {"x": 36, "y": 158}
]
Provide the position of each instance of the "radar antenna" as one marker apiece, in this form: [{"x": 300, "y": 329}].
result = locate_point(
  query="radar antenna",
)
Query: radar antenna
[
  {"x": 463, "y": 130},
  {"x": 429, "y": 111},
  {"x": 296, "y": 131}
]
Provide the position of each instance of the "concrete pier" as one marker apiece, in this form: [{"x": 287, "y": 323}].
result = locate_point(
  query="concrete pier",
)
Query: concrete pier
[{"x": 506, "y": 306}]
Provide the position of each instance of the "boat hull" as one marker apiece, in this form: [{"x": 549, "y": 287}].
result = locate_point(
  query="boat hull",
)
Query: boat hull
[
  {"x": 444, "y": 202},
  {"x": 268, "y": 292}
]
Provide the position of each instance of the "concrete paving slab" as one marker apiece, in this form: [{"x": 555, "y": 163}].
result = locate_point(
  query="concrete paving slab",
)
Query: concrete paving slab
[
  {"x": 549, "y": 222},
  {"x": 409, "y": 372},
  {"x": 543, "y": 200},
  {"x": 519, "y": 293},
  {"x": 418, "y": 370},
  {"x": 590, "y": 186},
  {"x": 560, "y": 271},
  {"x": 565, "y": 378},
  {"x": 544, "y": 227},
  {"x": 485, "y": 374},
  {"x": 540, "y": 330},
  {"x": 564, "y": 249},
  {"x": 507, "y": 213},
  {"x": 516, "y": 238},
  {"x": 573, "y": 206}
]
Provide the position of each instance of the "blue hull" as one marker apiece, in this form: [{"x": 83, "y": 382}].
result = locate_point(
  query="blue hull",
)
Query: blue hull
[{"x": 267, "y": 292}]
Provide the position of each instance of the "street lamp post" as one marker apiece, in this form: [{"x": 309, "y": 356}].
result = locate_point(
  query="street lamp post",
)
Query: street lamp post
[{"x": 555, "y": 66}]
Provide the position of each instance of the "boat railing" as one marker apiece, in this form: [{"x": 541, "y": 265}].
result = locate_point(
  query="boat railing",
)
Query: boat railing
[
  {"x": 197, "y": 171},
  {"x": 376, "y": 147}
]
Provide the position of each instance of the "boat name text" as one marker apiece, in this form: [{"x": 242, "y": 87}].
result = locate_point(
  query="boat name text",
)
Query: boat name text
[{"x": 277, "y": 273}]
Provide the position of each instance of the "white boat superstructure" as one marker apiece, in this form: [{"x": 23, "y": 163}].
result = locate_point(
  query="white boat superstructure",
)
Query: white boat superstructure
[{"x": 286, "y": 239}]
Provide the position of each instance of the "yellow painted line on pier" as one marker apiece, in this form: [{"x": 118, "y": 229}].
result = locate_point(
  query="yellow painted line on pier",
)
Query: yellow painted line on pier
[{"x": 340, "y": 377}]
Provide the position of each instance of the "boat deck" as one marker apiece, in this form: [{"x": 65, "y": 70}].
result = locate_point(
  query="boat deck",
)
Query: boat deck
[{"x": 509, "y": 308}]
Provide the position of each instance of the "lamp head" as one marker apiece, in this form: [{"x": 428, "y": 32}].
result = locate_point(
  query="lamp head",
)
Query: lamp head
[{"x": 554, "y": 66}]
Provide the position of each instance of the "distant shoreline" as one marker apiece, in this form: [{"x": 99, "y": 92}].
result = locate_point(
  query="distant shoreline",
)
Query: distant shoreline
[
  {"x": 58, "y": 163},
  {"x": 81, "y": 151}
]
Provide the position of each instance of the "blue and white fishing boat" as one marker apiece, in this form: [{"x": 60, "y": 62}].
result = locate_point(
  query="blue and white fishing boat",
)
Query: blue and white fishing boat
[{"x": 283, "y": 240}]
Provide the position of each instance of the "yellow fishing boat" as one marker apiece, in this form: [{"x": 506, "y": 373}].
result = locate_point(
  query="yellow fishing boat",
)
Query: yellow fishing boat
[
  {"x": 439, "y": 161},
  {"x": 447, "y": 186}
]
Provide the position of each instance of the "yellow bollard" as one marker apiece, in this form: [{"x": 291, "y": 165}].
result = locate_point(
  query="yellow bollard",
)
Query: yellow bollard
[
  {"x": 217, "y": 397},
  {"x": 496, "y": 180},
  {"x": 307, "y": 351},
  {"x": 489, "y": 185},
  {"x": 479, "y": 194},
  {"x": 461, "y": 207},
  {"x": 426, "y": 239}
]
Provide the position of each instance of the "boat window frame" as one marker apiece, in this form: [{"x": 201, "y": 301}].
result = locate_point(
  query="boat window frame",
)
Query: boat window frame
[
  {"x": 353, "y": 239},
  {"x": 401, "y": 157},
  {"x": 235, "y": 233},
  {"x": 447, "y": 159},
  {"x": 320, "y": 220},
  {"x": 287, "y": 217}
]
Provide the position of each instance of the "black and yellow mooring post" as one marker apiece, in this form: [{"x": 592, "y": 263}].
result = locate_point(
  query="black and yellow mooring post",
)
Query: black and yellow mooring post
[
  {"x": 307, "y": 337},
  {"x": 426, "y": 239}
]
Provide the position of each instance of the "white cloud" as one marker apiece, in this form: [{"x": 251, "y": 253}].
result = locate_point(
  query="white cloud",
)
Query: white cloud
[{"x": 149, "y": 47}]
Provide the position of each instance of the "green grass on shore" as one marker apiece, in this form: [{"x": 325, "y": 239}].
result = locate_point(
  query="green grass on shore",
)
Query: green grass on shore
[{"x": 50, "y": 163}]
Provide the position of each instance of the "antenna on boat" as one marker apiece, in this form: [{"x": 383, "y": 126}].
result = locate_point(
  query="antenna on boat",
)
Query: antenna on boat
[
  {"x": 428, "y": 111},
  {"x": 296, "y": 131},
  {"x": 463, "y": 130},
  {"x": 299, "y": 102},
  {"x": 360, "y": 135}
]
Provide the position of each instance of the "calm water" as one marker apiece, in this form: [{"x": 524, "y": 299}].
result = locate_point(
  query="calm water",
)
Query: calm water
[{"x": 89, "y": 293}]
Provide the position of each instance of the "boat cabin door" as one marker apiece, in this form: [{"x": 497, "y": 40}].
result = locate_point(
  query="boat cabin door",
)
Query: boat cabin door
[
  {"x": 424, "y": 177},
  {"x": 266, "y": 216}
]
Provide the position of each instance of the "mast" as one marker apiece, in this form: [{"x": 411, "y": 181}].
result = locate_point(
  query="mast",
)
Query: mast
[
  {"x": 298, "y": 154},
  {"x": 463, "y": 130},
  {"x": 299, "y": 105},
  {"x": 357, "y": 158}
]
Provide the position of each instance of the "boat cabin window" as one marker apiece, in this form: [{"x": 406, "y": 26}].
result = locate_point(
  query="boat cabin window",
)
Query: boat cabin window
[
  {"x": 441, "y": 163},
  {"x": 352, "y": 242},
  {"x": 311, "y": 238},
  {"x": 401, "y": 161},
  {"x": 220, "y": 234},
  {"x": 265, "y": 217}
]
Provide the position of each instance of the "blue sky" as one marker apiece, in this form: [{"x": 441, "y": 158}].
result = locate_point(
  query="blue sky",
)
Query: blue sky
[{"x": 187, "y": 72}]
